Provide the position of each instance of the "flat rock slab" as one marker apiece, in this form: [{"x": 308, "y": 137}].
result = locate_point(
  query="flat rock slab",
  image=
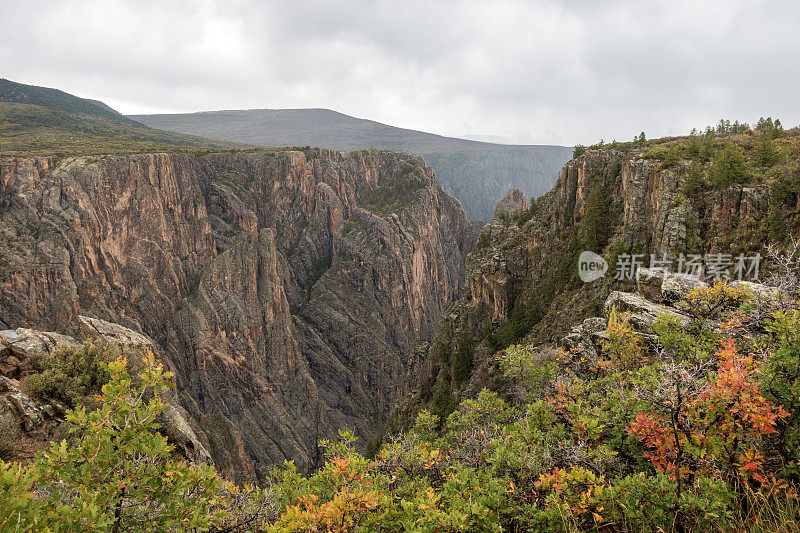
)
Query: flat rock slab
[
  {"x": 658, "y": 286},
  {"x": 93, "y": 328},
  {"x": 643, "y": 312}
]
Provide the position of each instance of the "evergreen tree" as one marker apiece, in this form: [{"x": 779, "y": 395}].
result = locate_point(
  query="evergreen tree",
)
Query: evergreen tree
[
  {"x": 462, "y": 365},
  {"x": 595, "y": 228},
  {"x": 729, "y": 166},
  {"x": 707, "y": 149},
  {"x": 765, "y": 155},
  {"x": 693, "y": 145},
  {"x": 694, "y": 180}
]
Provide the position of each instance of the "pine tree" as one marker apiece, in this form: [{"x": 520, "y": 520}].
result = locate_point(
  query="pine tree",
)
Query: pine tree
[
  {"x": 595, "y": 229},
  {"x": 694, "y": 180},
  {"x": 765, "y": 155},
  {"x": 729, "y": 166},
  {"x": 462, "y": 365}
]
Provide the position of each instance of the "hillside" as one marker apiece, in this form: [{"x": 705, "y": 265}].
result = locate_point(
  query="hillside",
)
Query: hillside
[
  {"x": 42, "y": 121},
  {"x": 55, "y": 100},
  {"x": 726, "y": 192},
  {"x": 477, "y": 173}
]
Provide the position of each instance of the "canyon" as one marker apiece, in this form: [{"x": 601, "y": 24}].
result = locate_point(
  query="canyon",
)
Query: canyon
[{"x": 287, "y": 289}]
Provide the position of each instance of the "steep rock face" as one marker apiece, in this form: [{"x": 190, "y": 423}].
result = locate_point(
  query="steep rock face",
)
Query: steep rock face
[
  {"x": 287, "y": 309},
  {"x": 512, "y": 202},
  {"x": 521, "y": 279}
]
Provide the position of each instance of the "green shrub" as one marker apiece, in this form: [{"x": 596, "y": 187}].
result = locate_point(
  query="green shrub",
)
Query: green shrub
[
  {"x": 69, "y": 373},
  {"x": 120, "y": 474},
  {"x": 671, "y": 157}
]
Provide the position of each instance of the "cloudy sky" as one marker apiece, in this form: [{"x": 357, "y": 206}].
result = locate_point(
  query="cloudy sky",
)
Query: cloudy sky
[{"x": 563, "y": 72}]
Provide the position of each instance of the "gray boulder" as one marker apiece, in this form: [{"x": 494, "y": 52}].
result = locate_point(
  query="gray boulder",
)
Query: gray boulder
[
  {"x": 643, "y": 313},
  {"x": 658, "y": 286}
]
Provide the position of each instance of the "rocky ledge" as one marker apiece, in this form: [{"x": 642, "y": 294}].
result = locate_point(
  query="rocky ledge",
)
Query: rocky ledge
[
  {"x": 39, "y": 420},
  {"x": 657, "y": 294}
]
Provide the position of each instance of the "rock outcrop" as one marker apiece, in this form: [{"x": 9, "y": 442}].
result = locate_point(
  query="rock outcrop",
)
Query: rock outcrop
[
  {"x": 286, "y": 289},
  {"x": 514, "y": 201},
  {"x": 641, "y": 308},
  {"x": 21, "y": 348}
]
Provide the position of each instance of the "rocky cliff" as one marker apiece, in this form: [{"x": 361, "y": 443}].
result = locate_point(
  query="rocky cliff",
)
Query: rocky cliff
[
  {"x": 522, "y": 278},
  {"x": 286, "y": 288},
  {"x": 477, "y": 173}
]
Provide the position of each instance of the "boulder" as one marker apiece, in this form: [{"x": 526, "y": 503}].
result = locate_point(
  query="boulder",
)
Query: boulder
[
  {"x": 759, "y": 291},
  {"x": 676, "y": 286},
  {"x": 643, "y": 313},
  {"x": 181, "y": 435},
  {"x": 583, "y": 337},
  {"x": 648, "y": 283},
  {"x": 25, "y": 343},
  {"x": 659, "y": 286},
  {"x": 10, "y": 424},
  {"x": 19, "y": 348},
  {"x": 25, "y": 409},
  {"x": 114, "y": 334}
]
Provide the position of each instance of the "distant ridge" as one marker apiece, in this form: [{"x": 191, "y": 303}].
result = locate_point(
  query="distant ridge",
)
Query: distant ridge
[
  {"x": 478, "y": 173},
  {"x": 320, "y": 127},
  {"x": 55, "y": 100},
  {"x": 43, "y": 121}
]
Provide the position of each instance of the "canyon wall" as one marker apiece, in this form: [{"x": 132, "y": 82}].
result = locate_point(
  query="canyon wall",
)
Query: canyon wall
[
  {"x": 521, "y": 278},
  {"x": 286, "y": 288},
  {"x": 481, "y": 178}
]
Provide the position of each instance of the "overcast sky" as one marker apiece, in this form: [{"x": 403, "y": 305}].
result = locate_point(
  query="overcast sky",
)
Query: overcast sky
[{"x": 563, "y": 72}]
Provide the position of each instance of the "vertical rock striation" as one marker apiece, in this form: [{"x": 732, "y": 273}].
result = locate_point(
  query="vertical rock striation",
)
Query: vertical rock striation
[{"x": 286, "y": 288}]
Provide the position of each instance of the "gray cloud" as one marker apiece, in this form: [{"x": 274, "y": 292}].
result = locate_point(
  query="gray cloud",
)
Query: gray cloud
[{"x": 539, "y": 71}]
